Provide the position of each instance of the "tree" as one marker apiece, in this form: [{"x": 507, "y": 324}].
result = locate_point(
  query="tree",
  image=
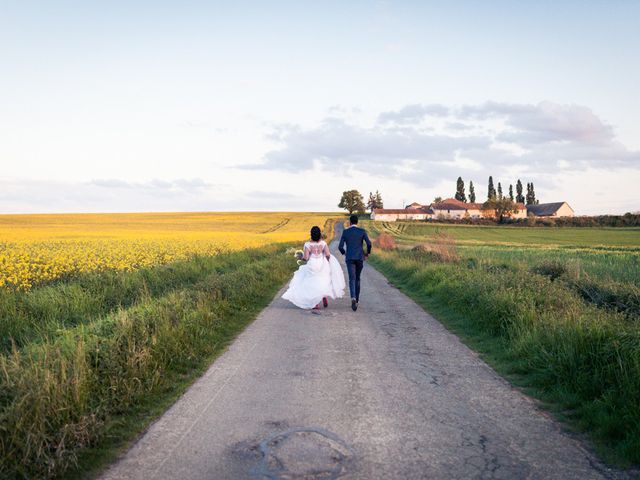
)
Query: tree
[
  {"x": 352, "y": 201},
  {"x": 519, "y": 196},
  {"x": 500, "y": 196},
  {"x": 379, "y": 199},
  {"x": 511, "y": 192},
  {"x": 371, "y": 203},
  {"x": 491, "y": 192},
  {"x": 437, "y": 200},
  {"x": 500, "y": 208},
  {"x": 531, "y": 195},
  {"x": 375, "y": 201},
  {"x": 472, "y": 193},
  {"x": 460, "y": 191}
]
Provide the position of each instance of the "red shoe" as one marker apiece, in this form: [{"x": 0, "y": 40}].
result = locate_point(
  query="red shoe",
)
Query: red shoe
[
  {"x": 317, "y": 307},
  {"x": 325, "y": 302}
]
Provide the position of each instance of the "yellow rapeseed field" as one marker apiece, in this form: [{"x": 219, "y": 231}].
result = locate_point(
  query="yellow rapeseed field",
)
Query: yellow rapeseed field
[{"x": 40, "y": 248}]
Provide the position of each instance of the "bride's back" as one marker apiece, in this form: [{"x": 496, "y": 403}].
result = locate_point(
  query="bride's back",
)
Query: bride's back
[{"x": 315, "y": 248}]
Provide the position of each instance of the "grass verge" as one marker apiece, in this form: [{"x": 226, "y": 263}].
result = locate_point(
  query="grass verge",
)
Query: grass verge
[
  {"x": 581, "y": 360},
  {"x": 71, "y": 397}
]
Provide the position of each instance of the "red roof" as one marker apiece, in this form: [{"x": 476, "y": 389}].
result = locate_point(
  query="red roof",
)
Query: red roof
[{"x": 452, "y": 204}]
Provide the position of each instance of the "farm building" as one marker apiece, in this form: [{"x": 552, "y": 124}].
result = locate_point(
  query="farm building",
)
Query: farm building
[
  {"x": 449, "y": 208},
  {"x": 557, "y": 209},
  {"x": 391, "y": 215},
  {"x": 452, "y": 208},
  {"x": 414, "y": 206}
]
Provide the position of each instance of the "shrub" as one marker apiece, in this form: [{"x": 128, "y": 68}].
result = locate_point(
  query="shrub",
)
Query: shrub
[
  {"x": 444, "y": 246},
  {"x": 611, "y": 295},
  {"x": 441, "y": 249},
  {"x": 385, "y": 242},
  {"x": 550, "y": 268}
]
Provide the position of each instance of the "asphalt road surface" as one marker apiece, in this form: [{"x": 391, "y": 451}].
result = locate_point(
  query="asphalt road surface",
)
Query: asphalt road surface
[{"x": 383, "y": 393}]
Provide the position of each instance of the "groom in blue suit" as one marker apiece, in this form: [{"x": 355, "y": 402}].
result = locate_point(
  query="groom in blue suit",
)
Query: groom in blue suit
[{"x": 352, "y": 237}]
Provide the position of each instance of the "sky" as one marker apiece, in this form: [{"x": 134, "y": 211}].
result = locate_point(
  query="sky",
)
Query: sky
[{"x": 201, "y": 106}]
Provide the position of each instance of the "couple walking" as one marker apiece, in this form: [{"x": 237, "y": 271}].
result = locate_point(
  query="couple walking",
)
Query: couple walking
[{"x": 322, "y": 276}]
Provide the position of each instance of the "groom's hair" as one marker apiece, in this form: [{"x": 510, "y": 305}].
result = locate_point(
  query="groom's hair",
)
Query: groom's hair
[
  {"x": 353, "y": 219},
  {"x": 316, "y": 234}
]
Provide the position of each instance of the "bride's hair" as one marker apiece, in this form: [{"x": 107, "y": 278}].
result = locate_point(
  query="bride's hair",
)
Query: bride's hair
[{"x": 316, "y": 234}]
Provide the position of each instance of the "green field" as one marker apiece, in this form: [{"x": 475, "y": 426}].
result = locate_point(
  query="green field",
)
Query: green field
[
  {"x": 561, "y": 237},
  {"x": 607, "y": 253},
  {"x": 556, "y": 310}
]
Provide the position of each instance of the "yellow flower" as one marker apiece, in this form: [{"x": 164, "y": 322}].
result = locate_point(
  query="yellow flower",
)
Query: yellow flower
[{"x": 35, "y": 249}]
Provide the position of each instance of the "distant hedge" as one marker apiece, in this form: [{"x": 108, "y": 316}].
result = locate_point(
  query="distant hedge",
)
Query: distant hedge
[{"x": 626, "y": 220}]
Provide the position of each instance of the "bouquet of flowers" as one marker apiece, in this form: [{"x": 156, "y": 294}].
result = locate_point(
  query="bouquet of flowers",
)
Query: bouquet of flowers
[{"x": 299, "y": 255}]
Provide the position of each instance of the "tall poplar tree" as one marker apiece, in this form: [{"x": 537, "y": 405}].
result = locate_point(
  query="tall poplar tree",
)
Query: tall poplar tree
[
  {"x": 491, "y": 191},
  {"x": 472, "y": 193},
  {"x": 519, "y": 196},
  {"x": 534, "y": 201},
  {"x": 511, "y": 192},
  {"x": 460, "y": 190},
  {"x": 500, "y": 196},
  {"x": 531, "y": 194}
]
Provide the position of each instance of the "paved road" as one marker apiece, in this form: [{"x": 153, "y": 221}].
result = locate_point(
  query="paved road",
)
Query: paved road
[{"x": 383, "y": 393}]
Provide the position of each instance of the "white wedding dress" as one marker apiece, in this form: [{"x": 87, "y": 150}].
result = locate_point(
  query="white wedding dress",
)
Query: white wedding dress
[{"x": 317, "y": 279}]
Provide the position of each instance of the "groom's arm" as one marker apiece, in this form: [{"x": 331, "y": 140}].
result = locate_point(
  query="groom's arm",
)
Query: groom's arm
[
  {"x": 368, "y": 242},
  {"x": 341, "y": 246}
]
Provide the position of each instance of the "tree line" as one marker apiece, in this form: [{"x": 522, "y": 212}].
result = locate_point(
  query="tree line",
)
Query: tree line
[
  {"x": 494, "y": 193},
  {"x": 503, "y": 204}
]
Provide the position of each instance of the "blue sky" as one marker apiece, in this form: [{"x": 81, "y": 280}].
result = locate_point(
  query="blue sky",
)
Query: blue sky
[{"x": 129, "y": 106}]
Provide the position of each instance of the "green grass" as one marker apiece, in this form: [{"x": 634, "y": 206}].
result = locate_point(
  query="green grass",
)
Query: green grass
[
  {"x": 556, "y": 310},
  {"x": 602, "y": 264},
  {"x": 624, "y": 239},
  {"x": 98, "y": 357},
  {"x": 583, "y": 359},
  {"x": 611, "y": 254},
  {"x": 41, "y": 313}
]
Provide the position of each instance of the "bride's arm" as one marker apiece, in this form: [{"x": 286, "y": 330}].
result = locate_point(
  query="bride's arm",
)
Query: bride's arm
[
  {"x": 326, "y": 251},
  {"x": 306, "y": 253}
]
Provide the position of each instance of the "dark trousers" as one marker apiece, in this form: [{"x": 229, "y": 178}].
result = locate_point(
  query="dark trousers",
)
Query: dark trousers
[{"x": 354, "y": 267}]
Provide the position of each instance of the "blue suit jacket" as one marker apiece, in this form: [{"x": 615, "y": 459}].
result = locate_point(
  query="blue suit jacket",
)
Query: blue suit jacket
[{"x": 353, "y": 238}]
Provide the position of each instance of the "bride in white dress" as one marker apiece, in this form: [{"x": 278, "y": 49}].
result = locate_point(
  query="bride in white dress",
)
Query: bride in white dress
[{"x": 320, "y": 278}]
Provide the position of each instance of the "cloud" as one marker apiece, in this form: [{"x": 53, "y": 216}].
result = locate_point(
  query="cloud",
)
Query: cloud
[
  {"x": 154, "y": 187},
  {"x": 545, "y": 122},
  {"x": 22, "y": 195},
  {"x": 265, "y": 195},
  {"x": 413, "y": 113},
  {"x": 110, "y": 183},
  {"x": 341, "y": 147},
  {"x": 479, "y": 140},
  {"x": 104, "y": 195}
]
